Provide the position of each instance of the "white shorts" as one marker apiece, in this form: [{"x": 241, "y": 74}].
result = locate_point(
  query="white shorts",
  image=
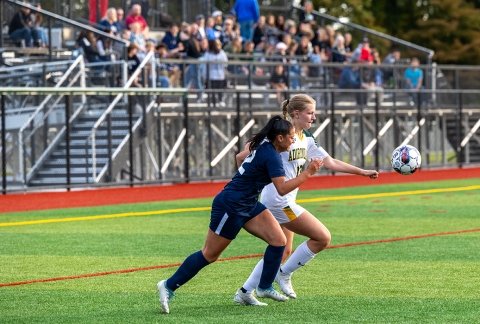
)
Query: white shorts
[{"x": 288, "y": 213}]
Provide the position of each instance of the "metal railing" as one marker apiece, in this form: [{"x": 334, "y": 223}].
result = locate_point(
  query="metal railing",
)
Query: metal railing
[
  {"x": 52, "y": 16},
  {"x": 149, "y": 58},
  {"x": 363, "y": 135},
  {"x": 41, "y": 115}
]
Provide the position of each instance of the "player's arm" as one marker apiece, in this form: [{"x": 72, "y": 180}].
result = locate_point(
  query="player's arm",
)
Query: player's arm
[
  {"x": 242, "y": 155},
  {"x": 284, "y": 186},
  {"x": 340, "y": 166}
]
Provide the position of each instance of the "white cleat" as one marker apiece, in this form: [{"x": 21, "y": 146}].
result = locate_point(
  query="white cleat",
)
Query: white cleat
[
  {"x": 285, "y": 283},
  {"x": 165, "y": 295},
  {"x": 271, "y": 293},
  {"x": 247, "y": 299}
]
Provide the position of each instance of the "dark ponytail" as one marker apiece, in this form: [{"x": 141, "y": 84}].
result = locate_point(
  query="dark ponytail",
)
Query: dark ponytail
[{"x": 275, "y": 126}]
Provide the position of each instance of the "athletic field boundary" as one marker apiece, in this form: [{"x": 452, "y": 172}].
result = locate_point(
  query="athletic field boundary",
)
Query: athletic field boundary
[{"x": 197, "y": 209}]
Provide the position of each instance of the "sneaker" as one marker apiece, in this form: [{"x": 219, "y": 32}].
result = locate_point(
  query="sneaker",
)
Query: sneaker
[
  {"x": 271, "y": 293},
  {"x": 247, "y": 299},
  {"x": 285, "y": 283},
  {"x": 165, "y": 295}
]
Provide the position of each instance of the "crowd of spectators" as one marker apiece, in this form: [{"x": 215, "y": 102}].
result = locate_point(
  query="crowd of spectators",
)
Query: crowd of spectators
[{"x": 293, "y": 51}]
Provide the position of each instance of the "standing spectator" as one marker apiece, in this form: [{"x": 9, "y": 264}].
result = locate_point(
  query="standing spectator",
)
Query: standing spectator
[
  {"x": 120, "y": 23},
  {"x": 193, "y": 51},
  {"x": 136, "y": 17},
  {"x": 200, "y": 21},
  {"x": 21, "y": 29},
  {"x": 210, "y": 28},
  {"x": 413, "y": 79},
  {"x": 339, "y": 53},
  {"x": 109, "y": 21},
  {"x": 247, "y": 13},
  {"x": 216, "y": 63},
  {"x": 217, "y": 15}
]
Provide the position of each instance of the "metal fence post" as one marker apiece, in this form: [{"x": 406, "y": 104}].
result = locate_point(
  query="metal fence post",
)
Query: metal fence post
[
  {"x": 130, "y": 138},
  {"x": 4, "y": 146},
  {"x": 67, "y": 139},
  {"x": 185, "y": 141}
]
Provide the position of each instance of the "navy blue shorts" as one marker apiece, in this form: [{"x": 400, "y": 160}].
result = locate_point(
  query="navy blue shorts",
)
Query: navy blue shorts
[{"x": 227, "y": 222}]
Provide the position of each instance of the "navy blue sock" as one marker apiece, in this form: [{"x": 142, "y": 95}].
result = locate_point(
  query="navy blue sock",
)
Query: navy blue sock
[
  {"x": 189, "y": 269},
  {"x": 271, "y": 263}
]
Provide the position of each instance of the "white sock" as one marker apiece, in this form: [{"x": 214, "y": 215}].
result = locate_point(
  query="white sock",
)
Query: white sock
[
  {"x": 300, "y": 257},
  {"x": 254, "y": 278}
]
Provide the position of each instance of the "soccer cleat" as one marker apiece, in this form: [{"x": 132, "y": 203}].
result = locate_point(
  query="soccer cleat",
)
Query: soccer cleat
[
  {"x": 285, "y": 283},
  {"x": 247, "y": 299},
  {"x": 271, "y": 293},
  {"x": 165, "y": 295}
]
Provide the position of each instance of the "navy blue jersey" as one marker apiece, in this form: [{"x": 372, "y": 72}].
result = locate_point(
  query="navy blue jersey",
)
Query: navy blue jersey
[{"x": 256, "y": 171}]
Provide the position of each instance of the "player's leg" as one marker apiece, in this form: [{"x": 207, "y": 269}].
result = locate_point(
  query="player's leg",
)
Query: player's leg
[
  {"x": 319, "y": 238},
  {"x": 267, "y": 228},
  {"x": 214, "y": 246},
  {"x": 254, "y": 278}
]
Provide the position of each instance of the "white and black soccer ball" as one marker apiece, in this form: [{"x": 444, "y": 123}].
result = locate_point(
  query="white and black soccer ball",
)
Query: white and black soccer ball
[{"x": 406, "y": 159}]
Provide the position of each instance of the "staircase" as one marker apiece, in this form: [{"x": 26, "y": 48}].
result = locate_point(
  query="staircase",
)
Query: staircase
[{"x": 53, "y": 171}]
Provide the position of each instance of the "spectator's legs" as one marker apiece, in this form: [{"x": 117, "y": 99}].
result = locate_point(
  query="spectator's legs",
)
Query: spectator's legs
[
  {"x": 246, "y": 30},
  {"x": 24, "y": 34}
]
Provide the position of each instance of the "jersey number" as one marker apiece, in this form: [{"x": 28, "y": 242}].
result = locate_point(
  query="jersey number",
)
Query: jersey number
[{"x": 248, "y": 159}]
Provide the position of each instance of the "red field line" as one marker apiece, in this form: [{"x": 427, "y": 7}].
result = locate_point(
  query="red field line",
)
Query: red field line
[
  {"x": 110, "y": 196},
  {"x": 249, "y": 256}
]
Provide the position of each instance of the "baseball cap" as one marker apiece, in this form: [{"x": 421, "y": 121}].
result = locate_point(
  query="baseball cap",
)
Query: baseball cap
[{"x": 216, "y": 13}]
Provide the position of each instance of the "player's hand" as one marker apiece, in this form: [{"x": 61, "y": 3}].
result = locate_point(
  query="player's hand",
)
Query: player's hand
[
  {"x": 372, "y": 174},
  {"x": 314, "y": 166}
]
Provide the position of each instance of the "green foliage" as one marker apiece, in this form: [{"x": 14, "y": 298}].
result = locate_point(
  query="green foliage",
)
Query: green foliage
[{"x": 450, "y": 27}]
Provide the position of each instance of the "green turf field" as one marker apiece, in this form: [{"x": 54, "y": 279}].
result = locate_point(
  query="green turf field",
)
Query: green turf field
[{"x": 424, "y": 280}]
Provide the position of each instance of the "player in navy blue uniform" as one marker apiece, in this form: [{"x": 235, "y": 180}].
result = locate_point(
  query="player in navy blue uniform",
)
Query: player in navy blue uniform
[{"x": 237, "y": 207}]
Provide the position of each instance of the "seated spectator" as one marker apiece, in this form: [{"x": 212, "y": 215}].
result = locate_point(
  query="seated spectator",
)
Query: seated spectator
[
  {"x": 41, "y": 34},
  {"x": 171, "y": 38},
  {"x": 133, "y": 62},
  {"x": 413, "y": 76},
  {"x": 109, "y": 21},
  {"x": 104, "y": 48},
  {"x": 136, "y": 17},
  {"x": 229, "y": 32},
  {"x": 389, "y": 74},
  {"x": 88, "y": 42},
  {"x": 137, "y": 37},
  {"x": 350, "y": 79},
  {"x": 306, "y": 15},
  {"x": 259, "y": 31},
  {"x": 339, "y": 53},
  {"x": 279, "y": 82},
  {"x": 22, "y": 29}
]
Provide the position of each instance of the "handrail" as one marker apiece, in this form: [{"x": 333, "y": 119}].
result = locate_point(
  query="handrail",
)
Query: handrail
[
  {"x": 78, "y": 61},
  {"x": 428, "y": 51},
  {"x": 67, "y": 21},
  {"x": 112, "y": 105}
]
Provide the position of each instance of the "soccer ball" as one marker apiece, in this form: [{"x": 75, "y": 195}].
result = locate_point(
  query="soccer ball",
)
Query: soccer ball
[{"x": 406, "y": 159}]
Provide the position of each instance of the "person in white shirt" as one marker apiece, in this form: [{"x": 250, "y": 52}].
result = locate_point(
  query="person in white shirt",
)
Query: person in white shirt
[{"x": 293, "y": 218}]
